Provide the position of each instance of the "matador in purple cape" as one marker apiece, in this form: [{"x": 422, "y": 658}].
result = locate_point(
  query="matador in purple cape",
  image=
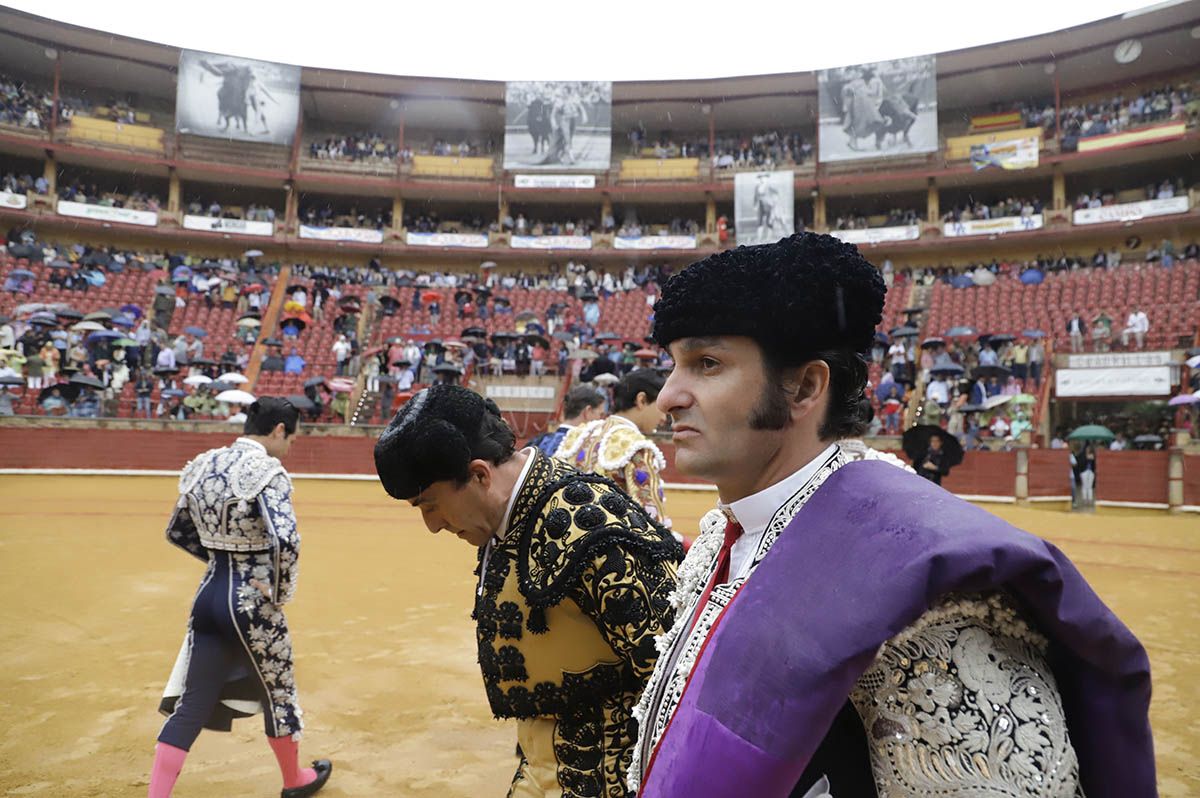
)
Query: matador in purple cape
[{"x": 844, "y": 628}]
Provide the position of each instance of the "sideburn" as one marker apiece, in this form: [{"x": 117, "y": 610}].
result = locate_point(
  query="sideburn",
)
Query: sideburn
[{"x": 773, "y": 410}]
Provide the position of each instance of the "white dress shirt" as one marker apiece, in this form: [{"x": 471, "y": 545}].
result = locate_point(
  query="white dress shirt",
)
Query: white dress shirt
[
  {"x": 512, "y": 500},
  {"x": 755, "y": 512}
]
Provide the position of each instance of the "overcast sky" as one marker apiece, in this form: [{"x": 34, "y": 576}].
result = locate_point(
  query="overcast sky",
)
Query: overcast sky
[{"x": 571, "y": 40}]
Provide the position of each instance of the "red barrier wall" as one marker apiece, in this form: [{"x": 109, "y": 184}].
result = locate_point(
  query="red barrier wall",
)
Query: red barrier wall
[
  {"x": 1131, "y": 476},
  {"x": 1191, "y": 480},
  {"x": 1049, "y": 472},
  {"x": 984, "y": 474}
]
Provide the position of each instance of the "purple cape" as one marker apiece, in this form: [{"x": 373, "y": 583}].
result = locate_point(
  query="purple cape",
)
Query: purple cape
[{"x": 864, "y": 558}]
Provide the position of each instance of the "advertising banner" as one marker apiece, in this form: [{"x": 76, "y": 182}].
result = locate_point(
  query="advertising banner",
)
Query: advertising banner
[
  {"x": 551, "y": 242},
  {"x": 472, "y": 240},
  {"x": 238, "y": 226},
  {"x": 9, "y": 199},
  {"x": 555, "y": 181},
  {"x": 1013, "y": 154},
  {"x": 1138, "y": 381},
  {"x": 107, "y": 214},
  {"x": 655, "y": 242},
  {"x": 1131, "y": 211},
  {"x": 991, "y": 227},
  {"x": 878, "y": 235},
  {"x": 361, "y": 235}
]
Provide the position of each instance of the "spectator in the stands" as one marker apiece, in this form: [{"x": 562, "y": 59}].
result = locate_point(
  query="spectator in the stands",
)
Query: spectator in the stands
[
  {"x": 1137, "y": 325},
  {"x": 294, "y": 364}
]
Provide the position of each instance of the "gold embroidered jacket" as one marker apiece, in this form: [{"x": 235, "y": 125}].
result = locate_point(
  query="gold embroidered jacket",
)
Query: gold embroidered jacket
[{"x": 573, "y": 595}]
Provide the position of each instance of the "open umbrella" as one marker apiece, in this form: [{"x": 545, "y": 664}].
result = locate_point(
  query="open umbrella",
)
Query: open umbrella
[
  {"x": 933, "y": 343},
  {"x": 312, "y": 381},
  {"x": 992, "y": 402},
  {"x": 474, "y": 332},
  {"x": 563, "y": 335},
  {"x": 1184, "y": 399},
  {"x": 101, "y": 334},
  {"x": 249, "y": 321},
  {"x": 21, "y": 274},
  {"x": 132, "y": 310},
  {"x": 401, "y": 364},
  {"x": 86, "y": 381},
  {"x": 252, "y": 253},
  {"x": 991, "y": 371},
  {"x": 983, "y": 277},
  {"x": 164, "y": 290},
  {"x": 199, "y": 332},
  {"x": 1193, "y": 362},
  {"x": 961, "y": 331},
  {"x": 447, "y": 368},
  {"x": 504, "y": 335},
  {"x": 12, "y": 381},
  {"x": 173, "y": 393},
  {"x": 253, "y": 288},
  {"x": 233, "y": 378},
  {"x": 582, "y": 354},
  {"x": 272, "y": 342},
  {"x": 607, "y": 336},
  {"x": 1024, "y": 399},
  {"x": 340, "y": 385},
  {"x": 431, "y": 296},
  {"x": 606, "y": 379},
  {"x": 944, "y": 365},
  {"x": 962, "y": 281},
  {"x": 295, "y": 322},
  {"x": 1033, "y": 334},
  {"x": 98, "y": 315},
  {"x": 526, "y": 315},
  {"x": 1001, "y": 338},
  {"x": 502, "y": 301},
  {"x": 44, "y": 321},
  {"x": 645, "y": 354},
  {"x": 905, "y": 331},
  {"x": 389, "y": 301},
  {"x": 1092, "y": 432},
  {"x": 167, "y": 372},
  {"x": 69, "y": 314},
  {"x": 434, "y": 343},
  {"x": 538, "y": 339},
  {"x": 454, "y": 345},
  {"x": 1148, "y": 440},
  {"x": 915, "y": 443},
  {"x": 197, "y": 380},
  {"x": 302, "y": 403},
  {"x": 69, "y": 391},
  {"x": 236, "y": 397},
  {"x": 1032, "y": 277}
]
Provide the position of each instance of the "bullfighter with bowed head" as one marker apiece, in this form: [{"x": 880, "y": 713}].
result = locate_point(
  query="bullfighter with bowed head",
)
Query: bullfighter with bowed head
[{"x": 573, "y": 584}]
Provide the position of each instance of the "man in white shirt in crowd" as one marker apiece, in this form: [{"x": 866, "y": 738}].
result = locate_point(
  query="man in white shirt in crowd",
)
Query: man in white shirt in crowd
[
  {"x": 341, "y": 353},
  {"x": 1137, "y": 325}
]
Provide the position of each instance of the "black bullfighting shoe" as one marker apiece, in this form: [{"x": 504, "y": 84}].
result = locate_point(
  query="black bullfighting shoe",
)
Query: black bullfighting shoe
[{"x": 323, "y": 767}]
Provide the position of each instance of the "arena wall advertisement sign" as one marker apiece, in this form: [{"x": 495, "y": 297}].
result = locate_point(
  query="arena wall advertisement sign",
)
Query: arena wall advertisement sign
[
  {"x": 1019, "y": 153},
  {"x": 878, "y": 235},
  {"x": 558, "y": 125},
  {"x": 554, "y": 181},
  {"x": 1131, "y": 211},
  {"x": 236, "y": 98},
  {"x": 105, "y": 213},
  {"x": 9, "y": 199},
  {"x": 238, "y": 226},
  {"x": 764, "y": 206},
  {"x": 991, "y": 227},
  {"x": 655, "y": 242},
  {"x": 880, "y": 110},
  {"x": 551, "y": 242},
  {"x": 359, "y": 235},
  {"x": 471, "y": 240},
  {"x": 1137, "y": 381}
]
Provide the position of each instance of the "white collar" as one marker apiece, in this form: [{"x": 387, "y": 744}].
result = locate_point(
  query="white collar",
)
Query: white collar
[
  {"x": 755, "y": 511},
  {"x": 252, "y": 444},
  {"x": 516, "y": 491}
]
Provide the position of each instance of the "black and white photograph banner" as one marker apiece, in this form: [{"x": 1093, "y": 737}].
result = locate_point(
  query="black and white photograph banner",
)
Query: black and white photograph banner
[
  {"x": 763, "y": 206},
  {"x": 879, "y": 110},
  {"x": 236, "y": 98},
  {"x": 558, "y": 125}
]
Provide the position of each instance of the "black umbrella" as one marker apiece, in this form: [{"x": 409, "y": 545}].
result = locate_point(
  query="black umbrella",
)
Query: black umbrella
[
  {"x": 167, "y": 372},
  {"x": 474, "y": 332},
  {"x": 435, "y": 343},
  {"x": 483, "y": 291},
  {"x": 502, "y": 300},
  {"x": 607, "y": 336},
  {"x": 503, "y": 336},
  {"x": 946, "y": 366},
  {"x": 446, "y": 368},
  {"x": 272, "y": 342},
  {"x": 1148, "y": 439},
  {"x": 311, "y": 381},
  {"x": 564, "y": 336},
  {"x": 538, "y": 339},
  {"x": 916, "y": 444},
  {"x": 389, "y": 301},
  {"x": 401, "y": 364},
  {"x": 932, "y": 343},
  {"x": 69, "y": 391},
  {"x": 395, "y": 339},
  {"x": 348, "y": 302},
  {"x": 294, "y": 287},
  {"x": 202, "y": 361},
  {"x": 463, "y": 295},
  {"x": 12, "y": 381},
  {"x": 588, "y": 296},
  {"x": 68, "y": 313},
  {"x": 302, "y": 403},
  {"x": 905, "y": 331},
  {"x": 295, "y": 322},
  {"x": 991, "y": 371},
  {"x": 86, "y": 381},
  {"x": 1002, "y": 338}
]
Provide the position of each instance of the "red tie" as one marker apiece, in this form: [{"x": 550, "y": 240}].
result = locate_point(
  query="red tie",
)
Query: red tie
[{"x": 733, "y": 531}]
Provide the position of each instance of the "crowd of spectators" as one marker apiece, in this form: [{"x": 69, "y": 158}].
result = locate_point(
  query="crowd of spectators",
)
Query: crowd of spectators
[
  {"x": 1100, "y": 197},
  {"x": 22, "y": 105},
  {"x": 360, "y": 147},
  {"x": 432, "y": 222},
  {"x": 215, "y": 210},
  {"x": 1170, "y": 102},
  {"x": 896, "y": 217},
  {"x": 522, "y": 226},
  {"x": 326, "y": 215},
  {"x": 91, "y": 194},
  {"x": 1010, "y": 206},
  {"x": 761, "y": 150},
  {"x": 24, "y": 183},
  {"x": 463, "y": 148}
]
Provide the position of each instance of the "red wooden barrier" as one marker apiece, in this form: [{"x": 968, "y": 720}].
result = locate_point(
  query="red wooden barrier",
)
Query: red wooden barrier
[{"x": 1131, "y": 476}]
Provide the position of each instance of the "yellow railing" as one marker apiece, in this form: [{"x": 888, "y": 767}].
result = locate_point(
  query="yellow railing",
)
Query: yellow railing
[
  {"x": 101, "y": 131},
  {"x": 452, "y": 166},
  {"x": 660, "y": 169}
]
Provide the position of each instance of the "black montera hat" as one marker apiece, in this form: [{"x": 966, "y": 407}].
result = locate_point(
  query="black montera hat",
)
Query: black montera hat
[
  {"x": 803, "y": 294},
  {"x": 433, "y": 437}
]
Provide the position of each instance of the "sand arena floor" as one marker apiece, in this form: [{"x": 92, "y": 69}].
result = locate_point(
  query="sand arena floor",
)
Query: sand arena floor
[{"x": 93, "y": 606}]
